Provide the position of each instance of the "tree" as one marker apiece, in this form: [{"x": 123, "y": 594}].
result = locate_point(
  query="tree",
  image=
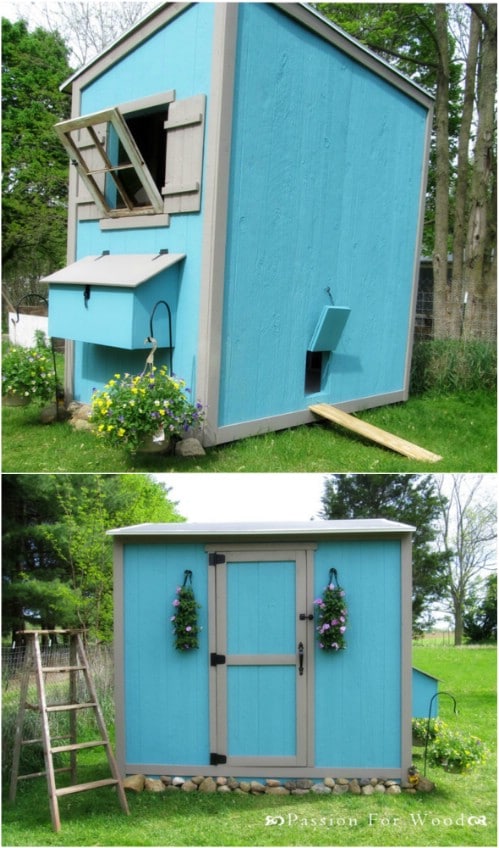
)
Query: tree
[
  {"x": 466, "y": 540},
  {"x": 451, "y": 49},
  {"x": 409, "y": 498},
  {"x": 480, "y": 615},
  {"x": 56, "y": 554},
  {"x": 34, "y": 163}
]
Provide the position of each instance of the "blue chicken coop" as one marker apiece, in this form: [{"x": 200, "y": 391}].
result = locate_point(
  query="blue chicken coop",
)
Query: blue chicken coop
[
  {"x": 247, "y": 188},
  {"x": 262, "y": 694}
]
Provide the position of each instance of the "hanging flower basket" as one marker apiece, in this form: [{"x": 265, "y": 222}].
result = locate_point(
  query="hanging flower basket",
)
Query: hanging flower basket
[
  {"x": 331, "y": 616},
  {"x": 185, "y": 620}
]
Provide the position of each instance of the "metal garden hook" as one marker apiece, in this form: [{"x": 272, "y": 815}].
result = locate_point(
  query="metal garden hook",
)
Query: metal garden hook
[{"x": 436, "y": 695}]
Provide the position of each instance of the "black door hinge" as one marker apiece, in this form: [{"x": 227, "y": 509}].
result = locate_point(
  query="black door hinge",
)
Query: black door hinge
[
  {"x": 216, "y": 559},
  {"x": 217, "y": 659},
  {"x": 217, "y": 759}
]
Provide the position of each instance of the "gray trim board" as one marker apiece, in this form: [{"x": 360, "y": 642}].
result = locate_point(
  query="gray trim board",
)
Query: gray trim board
[
  {"x": 119, "y": 657},
  {"x": 192, "y": 769},
  {"x": 406, "y": 653}
]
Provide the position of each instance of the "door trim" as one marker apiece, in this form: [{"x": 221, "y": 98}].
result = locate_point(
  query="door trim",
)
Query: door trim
[{"x": 302, "y": 554}]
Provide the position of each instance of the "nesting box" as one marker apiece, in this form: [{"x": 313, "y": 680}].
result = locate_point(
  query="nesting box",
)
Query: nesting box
[
  {"x": 287, "y": 164},
  {"x": 259, "y": 696}
]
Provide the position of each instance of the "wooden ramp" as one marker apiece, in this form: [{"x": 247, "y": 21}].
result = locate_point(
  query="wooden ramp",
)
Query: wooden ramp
[{"x": 369, "y": 431}]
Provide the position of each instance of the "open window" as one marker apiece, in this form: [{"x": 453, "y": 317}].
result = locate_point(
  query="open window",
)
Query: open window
[{"x": 140, "y": 159}]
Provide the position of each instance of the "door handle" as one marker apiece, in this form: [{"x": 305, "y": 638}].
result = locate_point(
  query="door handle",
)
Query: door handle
[
  {"x": 304, "y": 617},
  {"x": 301, "y": 651}
]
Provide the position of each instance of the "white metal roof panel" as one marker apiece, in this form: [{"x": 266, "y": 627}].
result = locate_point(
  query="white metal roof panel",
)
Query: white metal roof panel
[
  {"x": 294, "y": 529},
  {"x": 123, "y": 270}
]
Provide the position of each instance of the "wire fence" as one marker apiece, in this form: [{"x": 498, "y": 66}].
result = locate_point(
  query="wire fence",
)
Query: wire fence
[
  {"x": 57, "y": 687},
  {"x": 465, "y": 322}
]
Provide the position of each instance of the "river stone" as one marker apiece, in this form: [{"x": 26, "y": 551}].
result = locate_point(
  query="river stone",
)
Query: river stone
[
  {"x": 329, "y": 781},
  {"x": 189, "y": 447},
  {"x": 221, "y": 781},
  {"x": 304, "y": 783},
  {"x": 172, "y": 788},
  {"x": 300, "y": 791},
  {"x": 276, "y": 790},
  {"x": 152, "y": 784},
  {"x": 380, "y": 789},
  {"x": 272, "y": 782},
  {"x": 232, "y": 783},
  {"x": 340, "y": 789},
  {"x": 244, "y": 786},
  {"x": 257, "y": 787},
  {"x": 166, "y": 779},
  {"x": 223, "y": 788},
  {"x": 355, "y": 788},
  {"x": 343, "y": 781},
  {"x": 394, "y": 789},
  {"x": 321, "y": 789},
  {"x": 208, "y": 785},
  {"x": 178, "y": 781},
  {"x": 189, "y": 786},
  {"x": 135, "y": 782},
  {"x": 368, "y": 789},
  {"x": 425, "y": 785},
  {"x": 197, "y": 779}
]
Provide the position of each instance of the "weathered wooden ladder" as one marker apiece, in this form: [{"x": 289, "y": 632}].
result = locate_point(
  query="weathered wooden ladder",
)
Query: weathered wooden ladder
[{"x": 82, "y": 696}]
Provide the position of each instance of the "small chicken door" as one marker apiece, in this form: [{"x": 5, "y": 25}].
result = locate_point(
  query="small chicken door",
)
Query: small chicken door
[{"x": 260, "y": 657}]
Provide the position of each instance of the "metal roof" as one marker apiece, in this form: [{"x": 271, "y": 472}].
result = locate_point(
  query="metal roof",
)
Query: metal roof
[
  {"x": 282, "y": 529},
  {"x": 124, "y": 270}
]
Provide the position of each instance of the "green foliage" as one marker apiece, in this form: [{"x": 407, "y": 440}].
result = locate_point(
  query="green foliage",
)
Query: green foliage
[
  {"x": 331, "y": 618},
  {"x": 443, "y": 366},
  {"x": 57, "y": 558},
  {"x": 456, "y": 751},
  {"x": 185, "y": 620},
  {"x": 35, "y": 165},
  {"x": 421, "y": 728},
  {"x": 29, "y": 373},
  {"x": 409, "y": 498},
  {"x": 130, "y": 408},
  {"x": 480, "y": 615}
]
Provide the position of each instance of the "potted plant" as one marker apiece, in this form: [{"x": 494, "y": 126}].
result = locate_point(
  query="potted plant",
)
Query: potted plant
[
  {"x": 144, "y": 411},
  {"x": 331, "y": 616},
  {"x": 455, "y": 752},
  {"x": 28, "y": 374},
  {"x": 421, "y": 728},
  {"x": 185, "y": 620}
]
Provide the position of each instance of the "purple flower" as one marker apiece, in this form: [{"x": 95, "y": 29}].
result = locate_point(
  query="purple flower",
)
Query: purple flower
[
  {"x": 342, "y": 629},
  {"x": 176, "y": 603},
  {"x": 319, "y": 602},
  {"x": 189, "y": 628}
]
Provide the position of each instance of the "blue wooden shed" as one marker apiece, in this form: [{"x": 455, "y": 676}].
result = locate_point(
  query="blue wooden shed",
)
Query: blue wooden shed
[
  {"x": 259, "y": 697},
  {"x": 248, "y": 188}
]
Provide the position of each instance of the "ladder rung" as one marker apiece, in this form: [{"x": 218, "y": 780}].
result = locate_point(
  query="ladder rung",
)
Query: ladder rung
[
  {"x": 38, "y": 741},
  {"x": 78, "y": 746},
  {"x": 82, "y": 787},
  {"x": 60, "y": 707},
  {"x": 42, "y": 773},
  {"x": 53, "y": 669}
]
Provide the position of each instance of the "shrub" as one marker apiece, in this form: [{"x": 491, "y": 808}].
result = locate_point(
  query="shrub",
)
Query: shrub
[
  {"x": 28, "y": 373},
  {"x": 451, "y": 365}
]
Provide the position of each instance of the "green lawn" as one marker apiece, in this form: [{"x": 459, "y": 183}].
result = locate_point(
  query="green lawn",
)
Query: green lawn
[
  {"x": 459, "y": 427},
  {"x": 461, "y": 811}
]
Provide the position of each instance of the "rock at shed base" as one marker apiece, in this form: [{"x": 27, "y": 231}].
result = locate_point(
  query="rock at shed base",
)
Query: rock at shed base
[
  {"x": 135, "y": 782},
  {"x": 189, "y": 447},
  {"x": 425, "y": 785},
  {"x": 153, "y": 785}
]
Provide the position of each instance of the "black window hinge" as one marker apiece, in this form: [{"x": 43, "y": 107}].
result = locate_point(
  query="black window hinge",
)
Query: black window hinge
[
  {"x": 217, "y": 759},
  {"x": 217, "y": 659},
  {"x": 216, "y": 559}
]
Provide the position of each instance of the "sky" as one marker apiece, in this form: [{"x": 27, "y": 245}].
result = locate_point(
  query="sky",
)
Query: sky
[{"x": 246, "y": 497}]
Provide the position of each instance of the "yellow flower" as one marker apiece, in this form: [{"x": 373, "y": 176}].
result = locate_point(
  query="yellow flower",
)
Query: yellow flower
[
  {"x": 121, "y": 432},
  {"x": 110, "y": 427},
  {"x": 118, "y": 376},
  {"x": 134, "y": 390},
  {"x": 100, "y": 427}
]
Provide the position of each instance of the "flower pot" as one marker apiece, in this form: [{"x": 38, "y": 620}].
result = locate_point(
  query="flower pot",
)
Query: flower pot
[
  {"x": 153, "y": 444},
  {"x": 15, "y": 400}
]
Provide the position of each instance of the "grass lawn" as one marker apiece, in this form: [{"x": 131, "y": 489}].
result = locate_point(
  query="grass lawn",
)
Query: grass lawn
[
  {"x": 459, "y": 427},
  {"x": 461, "y": 810}
]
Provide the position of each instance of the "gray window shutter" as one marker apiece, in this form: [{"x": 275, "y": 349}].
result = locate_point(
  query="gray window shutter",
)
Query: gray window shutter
[{"x": 184, "y": 154}]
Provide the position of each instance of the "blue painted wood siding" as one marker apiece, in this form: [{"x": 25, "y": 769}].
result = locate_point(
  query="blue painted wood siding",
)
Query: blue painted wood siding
[
  {"x": 325, "y": 179},
  {"x": 424, "y": 687},
  {"x": 358, "y": 691},
  {"x": 177, "y": 57},
  {"x": 166, "y": 691}
]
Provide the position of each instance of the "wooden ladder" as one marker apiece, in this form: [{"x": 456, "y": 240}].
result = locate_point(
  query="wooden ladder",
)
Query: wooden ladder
[{"x": 77, "y": 672}]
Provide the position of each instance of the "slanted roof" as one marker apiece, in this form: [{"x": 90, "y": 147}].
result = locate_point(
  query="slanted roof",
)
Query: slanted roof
[
  {"x": 281, "y": 529},
  {"x": 123, "y": 270},
  {"x": 306, "y": 15}
]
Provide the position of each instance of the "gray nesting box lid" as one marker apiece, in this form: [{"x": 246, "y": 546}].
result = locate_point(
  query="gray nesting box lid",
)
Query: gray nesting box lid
[
  {"x": 120, "y": 269},
  {"x": 282, "y": 529}
]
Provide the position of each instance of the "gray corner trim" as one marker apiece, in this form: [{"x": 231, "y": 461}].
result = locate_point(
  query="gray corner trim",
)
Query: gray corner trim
[
  {"x": 69, "y": 370},
  {"x": 119, "y": 656},
  {"x": 216, "y": 194},
  {"x": 418, "y": 248},
  {"x": 258, "y": 426},
  {"x": 406, "y": 651},
  {"x": 314, "y": 20}
]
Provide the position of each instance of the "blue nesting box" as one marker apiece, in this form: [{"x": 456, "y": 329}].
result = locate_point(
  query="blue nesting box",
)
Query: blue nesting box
[
  {"x": 287, "y": 164},
  {"x": 259, "y": 697}
]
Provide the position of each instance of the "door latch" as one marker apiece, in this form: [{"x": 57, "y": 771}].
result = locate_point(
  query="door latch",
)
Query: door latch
[
  {"x": 304, "y": 617},
  {"x": 301, "y": 651}
]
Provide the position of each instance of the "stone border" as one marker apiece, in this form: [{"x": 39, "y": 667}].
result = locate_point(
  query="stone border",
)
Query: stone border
[{"x": 300, "y": 787}]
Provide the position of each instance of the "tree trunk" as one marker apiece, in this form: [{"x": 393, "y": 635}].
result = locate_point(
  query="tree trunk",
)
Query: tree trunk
[
  {"x": 479, "y": 260},
  {"x": 462, "y": 179},
  {"x": 441, "y": 291}
]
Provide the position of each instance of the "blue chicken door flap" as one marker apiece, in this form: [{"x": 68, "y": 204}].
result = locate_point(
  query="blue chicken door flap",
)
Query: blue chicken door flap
[{"x": 329, "y": 328}]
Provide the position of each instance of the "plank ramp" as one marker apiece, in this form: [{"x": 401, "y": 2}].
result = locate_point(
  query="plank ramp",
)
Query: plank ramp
[{"x": 375, "y": 434}]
